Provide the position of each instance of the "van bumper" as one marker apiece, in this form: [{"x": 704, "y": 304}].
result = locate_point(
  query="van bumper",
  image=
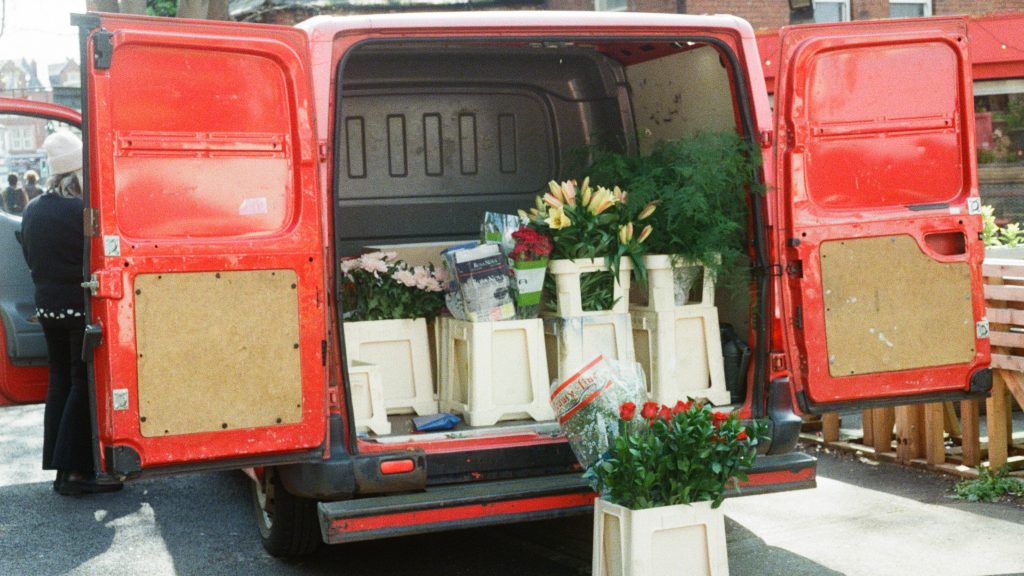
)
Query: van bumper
[{"x": 474, "y": 504}]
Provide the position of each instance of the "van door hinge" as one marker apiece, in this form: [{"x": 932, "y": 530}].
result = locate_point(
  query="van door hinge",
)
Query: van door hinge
[
  {"x": 766, "y": 138},
  {"x": 795, "y": 269},
  {"x": 798, "y": 318},
  {"x": 322, "y": 151},
  {"x": 105, "y": 284},
  {"x": 92, "y": 222},
  {"x": 771, "y": 270},
  {"x": 102, "y": 49},
  {"x": 777, "y": 360}
]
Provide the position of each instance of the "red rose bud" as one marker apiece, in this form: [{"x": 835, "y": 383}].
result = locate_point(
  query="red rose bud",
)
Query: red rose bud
[
  {"x": 650, "y": 410},
  {"x": 665, "y": 413},
  {"x": 682, "y": 407},
  {"x": 627, "y": 411},
  {"x": 742, "y": 435},
  {"x": 718, "y": 418}
]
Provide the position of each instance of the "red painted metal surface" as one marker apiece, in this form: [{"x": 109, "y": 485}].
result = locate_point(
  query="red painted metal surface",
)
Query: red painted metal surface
[
  {"x": 42, "y": 109},
  {"x": 340, "y": 528},
  {"x": 203, "y": 158},
  {"x": 853, "y": 163},
  {"x": 20, "y": 384},
  {"x": 997, "y": 48},
  {"x": 27, "y": 384}
]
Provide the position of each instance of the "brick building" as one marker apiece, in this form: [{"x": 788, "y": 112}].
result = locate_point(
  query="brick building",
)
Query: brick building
[
  {"x": 762, "y": 14},
  {"x": 776, "y": 13}
]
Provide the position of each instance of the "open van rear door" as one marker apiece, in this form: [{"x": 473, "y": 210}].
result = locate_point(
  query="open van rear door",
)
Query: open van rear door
[
  {"x": 879, "y": 238},
  {"x": 23, "y": 372},
  {"x": 206, "y": 250}
]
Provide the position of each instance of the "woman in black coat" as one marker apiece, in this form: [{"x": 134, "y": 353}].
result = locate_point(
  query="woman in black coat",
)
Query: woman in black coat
[{"x": 52, "y": 240}]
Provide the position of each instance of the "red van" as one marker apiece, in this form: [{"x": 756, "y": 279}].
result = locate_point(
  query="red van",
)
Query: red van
[{"x": 231, "y": 165}]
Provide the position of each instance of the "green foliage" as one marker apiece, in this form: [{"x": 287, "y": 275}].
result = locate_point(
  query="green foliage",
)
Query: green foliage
[
  {"x": 992, "y": 235},
  {"x": 167, "y": 8},
  {"x": 377, "y": 287},
  {"x": 1010, "y": 235},
  {"x": 677, "y": 456},
  {"x": 701, "y": 185},
  {"x": 1014, "y": 114},
  {"x": 989, "y": 486}
]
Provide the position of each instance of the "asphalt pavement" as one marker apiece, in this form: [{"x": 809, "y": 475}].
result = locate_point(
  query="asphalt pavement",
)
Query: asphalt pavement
[{"x": 864, "y": 518}]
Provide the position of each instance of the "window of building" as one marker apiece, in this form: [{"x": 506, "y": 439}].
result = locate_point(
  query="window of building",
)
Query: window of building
[
  {"x": 22, "y": 138},
  {"x": 999, "y": 131},
  {"x": 910, "y": 8},
  {"x": 611, "y": 5},
  {"x": 831, "y": 10}
]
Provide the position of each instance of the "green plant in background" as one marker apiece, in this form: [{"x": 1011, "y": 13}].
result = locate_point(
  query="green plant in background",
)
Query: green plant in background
[
  {"x": 989, "y": 228},
  {"x": 989, "y": 486},
  {"x": 1014, "y": 114},
  {"x": 162, "y": 7},
  {"x": 700, "y": 184},
  {"x": 1011, "y": 236},
  {"x": 993, "y": 235}
]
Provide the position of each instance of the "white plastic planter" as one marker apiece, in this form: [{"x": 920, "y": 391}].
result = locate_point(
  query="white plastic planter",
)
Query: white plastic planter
[
  {"x": 684, "y": 539},
  {"x": 367, "y": 397},
  {"x": 567, "y": 274},
  {"x": 663, "y": 291},
  {"x": 401, "y": 351},
  {"x": 681, "y": 352},
  {"x": 492, "y": 371},
  {"x": 572, "y": 342}
]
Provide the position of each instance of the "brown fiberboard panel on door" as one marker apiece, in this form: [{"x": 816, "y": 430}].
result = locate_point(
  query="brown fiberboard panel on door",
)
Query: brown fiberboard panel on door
[{"x": 217, "y": 350}]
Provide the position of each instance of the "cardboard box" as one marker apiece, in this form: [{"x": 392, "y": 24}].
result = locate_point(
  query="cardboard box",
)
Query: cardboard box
[{"x": 418, "y": 253}]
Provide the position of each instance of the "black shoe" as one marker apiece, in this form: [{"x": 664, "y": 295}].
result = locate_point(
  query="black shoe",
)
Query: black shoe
[
  {"x": 59, "y": 480},
  {"x": 78, "y": 486}
]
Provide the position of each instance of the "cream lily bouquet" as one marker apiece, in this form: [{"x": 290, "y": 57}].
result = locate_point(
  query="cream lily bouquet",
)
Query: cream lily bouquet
[{"x": 585, "y": 222}]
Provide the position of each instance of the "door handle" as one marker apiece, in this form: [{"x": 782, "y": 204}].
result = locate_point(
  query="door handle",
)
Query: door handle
[{"x": 92, "y": 338}]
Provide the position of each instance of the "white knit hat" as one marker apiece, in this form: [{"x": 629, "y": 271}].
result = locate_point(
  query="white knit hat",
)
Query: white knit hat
[{"x": 64, "y": 150}]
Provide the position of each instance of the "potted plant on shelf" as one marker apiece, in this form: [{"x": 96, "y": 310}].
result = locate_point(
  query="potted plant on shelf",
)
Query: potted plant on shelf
[
  {"x": 596, "y": 241},
  {"x": 529, "y": 258},
  {"x": 700, "y": 184},
  {"x": 660, "y": 486},
  {"x": 386, "y": 305}
]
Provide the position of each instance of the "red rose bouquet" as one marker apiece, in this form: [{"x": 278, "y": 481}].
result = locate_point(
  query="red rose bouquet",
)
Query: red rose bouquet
[
  {"x": 680, "y": 455},
  {"x": 529, "y": 262}
]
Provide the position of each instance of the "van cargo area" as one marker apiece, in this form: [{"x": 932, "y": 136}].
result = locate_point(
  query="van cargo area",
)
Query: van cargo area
[{"x": 430, "y": 135}]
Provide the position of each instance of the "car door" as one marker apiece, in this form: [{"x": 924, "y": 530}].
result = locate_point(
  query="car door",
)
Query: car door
[
  {"x": 879, "y": 214},
  {"x": 23, "y": 374},
  {"x": 206, "y": 245}
]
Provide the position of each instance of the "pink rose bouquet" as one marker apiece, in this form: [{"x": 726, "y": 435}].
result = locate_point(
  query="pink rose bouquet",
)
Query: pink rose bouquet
[{"x": 376, "y": 286}]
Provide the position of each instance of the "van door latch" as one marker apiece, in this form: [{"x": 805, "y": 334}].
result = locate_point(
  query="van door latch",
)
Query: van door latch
[
  {"x": 90, "y": 340},
  {"x": 105, "y": 284},
  {"x": 102, "y": 49}
]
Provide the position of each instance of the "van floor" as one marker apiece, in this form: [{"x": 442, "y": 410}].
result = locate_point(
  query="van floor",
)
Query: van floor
[{"x": 402, "y": 428}]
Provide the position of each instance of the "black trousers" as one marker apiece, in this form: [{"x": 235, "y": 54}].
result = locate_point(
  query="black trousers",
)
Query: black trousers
[{"x": 67, "y": 429}]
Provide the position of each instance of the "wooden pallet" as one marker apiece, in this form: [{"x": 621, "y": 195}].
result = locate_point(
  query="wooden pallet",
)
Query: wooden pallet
[{"x": 931, "y": 435}]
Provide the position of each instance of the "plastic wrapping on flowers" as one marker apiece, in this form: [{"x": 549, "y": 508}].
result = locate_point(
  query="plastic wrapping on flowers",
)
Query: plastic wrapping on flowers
[{"x": 587, "y": 404}]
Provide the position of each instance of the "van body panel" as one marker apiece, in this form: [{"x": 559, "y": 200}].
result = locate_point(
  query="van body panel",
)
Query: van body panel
[
  {"x": 202, "y": 171},
  {"x": 879, "y": 244}
]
